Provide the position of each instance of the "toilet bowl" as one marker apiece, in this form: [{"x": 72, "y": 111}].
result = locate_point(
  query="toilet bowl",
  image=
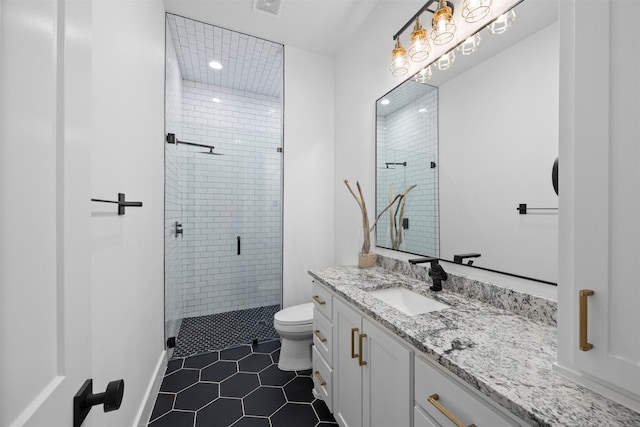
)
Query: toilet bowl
[{"x": 295, "y": 326}]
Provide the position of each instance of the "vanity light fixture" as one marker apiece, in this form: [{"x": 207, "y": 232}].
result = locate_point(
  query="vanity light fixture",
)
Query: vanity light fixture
[
  {"x": 446, "y": 60},
  {"x": 399, "y": 62},
  {"x": 475, "y": 10},
  {"x": 215, "y": 65},
  {"x": 443, "y": 26},
  {"x": 423, "y": 75},
  {"x": 419, "y": 48},
  {"x": 470, "y": 45},
  {"x": 502, "y": 22}
]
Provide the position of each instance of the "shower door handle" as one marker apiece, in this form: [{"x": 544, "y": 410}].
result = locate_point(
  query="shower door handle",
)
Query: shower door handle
[{"x": 238, "y": 245}]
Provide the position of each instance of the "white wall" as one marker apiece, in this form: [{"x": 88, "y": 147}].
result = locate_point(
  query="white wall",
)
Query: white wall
[
  {"x": 497, "y": 148},
  {"x": 308, "y": 170},
  {"x": 362, "y": 76},
  {"x": 127, "y": 156}
]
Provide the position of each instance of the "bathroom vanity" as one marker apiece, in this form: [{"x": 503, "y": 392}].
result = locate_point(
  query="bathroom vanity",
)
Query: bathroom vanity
[{"x": 485, "y": 359}]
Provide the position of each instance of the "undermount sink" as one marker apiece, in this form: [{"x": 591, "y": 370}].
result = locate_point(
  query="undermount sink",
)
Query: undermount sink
[{"x": 408, "y": 302}]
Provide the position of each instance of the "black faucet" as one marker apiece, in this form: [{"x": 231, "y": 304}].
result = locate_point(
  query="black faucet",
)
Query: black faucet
[
  {"x": 458, "y": 259},
  {"x": 436, "y": 272}
]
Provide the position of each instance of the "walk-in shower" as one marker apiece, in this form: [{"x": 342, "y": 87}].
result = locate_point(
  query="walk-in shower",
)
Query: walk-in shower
[{"x": 223, "y": 271}]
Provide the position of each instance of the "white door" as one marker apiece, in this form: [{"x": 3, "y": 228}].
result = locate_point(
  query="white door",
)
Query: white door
[{"x": 44, "y": 210}]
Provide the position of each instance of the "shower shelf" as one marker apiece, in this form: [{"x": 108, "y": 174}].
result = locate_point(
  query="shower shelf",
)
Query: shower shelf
[{"x": 121, "y": 203}]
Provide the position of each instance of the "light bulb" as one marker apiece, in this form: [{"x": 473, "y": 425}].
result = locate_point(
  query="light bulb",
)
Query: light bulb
[
  {"x": 419, "y": 48},
  {"x": 443, "y": 25},
  {"x": 399, "y": 63}
]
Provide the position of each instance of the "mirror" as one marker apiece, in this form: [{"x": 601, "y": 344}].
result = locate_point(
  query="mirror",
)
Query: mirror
[{"x": 478, "y": 140}]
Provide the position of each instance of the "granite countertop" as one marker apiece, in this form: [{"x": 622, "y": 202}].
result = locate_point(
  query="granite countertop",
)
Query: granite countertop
[{"x": 506, "y": 356}]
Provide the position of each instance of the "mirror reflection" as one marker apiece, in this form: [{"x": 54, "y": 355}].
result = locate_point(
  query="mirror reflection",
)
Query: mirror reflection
[{"x": 478, "y": 140}]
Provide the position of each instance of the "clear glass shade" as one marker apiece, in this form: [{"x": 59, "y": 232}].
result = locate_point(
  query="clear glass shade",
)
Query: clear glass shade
[
  {"x": 470, "y": 45},
  {"x": 419, "y": 48},
  {"x": 446, "y": 61},
  {"x": 443, "y": 26},
  {"x": 475, "y": 10},
  {"x": 423, "y": 75},
  {"x": 502, "y": 22},
  {"x": 399, "y": 62}
]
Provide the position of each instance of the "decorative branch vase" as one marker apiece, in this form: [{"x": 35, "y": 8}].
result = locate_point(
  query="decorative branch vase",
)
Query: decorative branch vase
[{"x": 366, "y": 260}]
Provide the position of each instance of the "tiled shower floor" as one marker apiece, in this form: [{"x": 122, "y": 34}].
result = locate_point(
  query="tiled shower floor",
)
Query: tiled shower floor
[
  {"x": 224, "y": 330},
  {"x": 239, "y": 387}
]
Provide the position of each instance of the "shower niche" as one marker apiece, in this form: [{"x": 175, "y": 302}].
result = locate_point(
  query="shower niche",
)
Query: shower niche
[{"x": 223, "y": 186}]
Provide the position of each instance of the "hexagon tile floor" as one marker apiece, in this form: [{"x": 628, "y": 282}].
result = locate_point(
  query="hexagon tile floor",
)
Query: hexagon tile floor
[{"x": 239, "y": 387}]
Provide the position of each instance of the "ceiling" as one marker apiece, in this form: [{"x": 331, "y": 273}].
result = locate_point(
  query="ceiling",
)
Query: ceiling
[
  {"x": 249, "y": 64},
  {"x": 320, "y": 26}
]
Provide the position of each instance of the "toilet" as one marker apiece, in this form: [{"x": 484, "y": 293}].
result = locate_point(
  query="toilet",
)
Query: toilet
[{"x": 295, "y": 326}]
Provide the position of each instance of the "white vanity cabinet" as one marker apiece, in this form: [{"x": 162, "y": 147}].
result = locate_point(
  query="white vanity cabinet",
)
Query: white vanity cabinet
[
  {"x": 322, "y": 344},
  {"x": 440, "y": 398},
  {"x": 372, "y": 372}
]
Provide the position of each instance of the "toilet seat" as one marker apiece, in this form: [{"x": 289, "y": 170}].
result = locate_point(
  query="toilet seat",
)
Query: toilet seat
[{"x": 296, "y": 315}]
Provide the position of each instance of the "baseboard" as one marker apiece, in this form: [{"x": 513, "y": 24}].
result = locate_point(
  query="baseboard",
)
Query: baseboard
[
  {"x": 607, "y": 390},
  {"x": 144, "y": 413}
]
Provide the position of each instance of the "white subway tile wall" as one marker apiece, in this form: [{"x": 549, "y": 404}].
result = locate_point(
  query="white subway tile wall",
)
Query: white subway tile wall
[
  {"x": 410, "y": 135},
  {"x": 173, "y": 195},
  {"x": 235, "y": 194}
]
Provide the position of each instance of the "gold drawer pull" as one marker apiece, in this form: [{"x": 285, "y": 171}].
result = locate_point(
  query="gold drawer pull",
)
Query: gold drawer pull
[
  {"x": 318, "y": 300},
  {"x": 320, "y": 380},
  {"x": 433, "y": 399},
  {"x": 353, "y": 343},
  {"x": 584, "y": 341},
  {"x": 360, "y": 361},
  {"x": 317, "y": 332}
]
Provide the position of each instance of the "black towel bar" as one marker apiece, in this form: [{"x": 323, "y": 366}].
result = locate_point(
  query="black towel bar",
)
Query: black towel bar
[{"x": 121, "y": 203}]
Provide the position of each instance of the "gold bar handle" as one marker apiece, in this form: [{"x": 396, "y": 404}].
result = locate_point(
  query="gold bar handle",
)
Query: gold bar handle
[
  {"x": 353, "y": 343},
  {"x": 433, "y": 399},
  {"x": 317, "y": 299},
  {"x": 317, "y": 333},
  {"x": 584, "y": 341},
  {"x": 321, "y": 381},
  {"x": 360, "y": 361}
]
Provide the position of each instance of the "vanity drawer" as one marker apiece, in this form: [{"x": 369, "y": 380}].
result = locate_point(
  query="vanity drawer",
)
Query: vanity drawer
[
  {"x": 455, "y": 398},
  {"x": 322, "y": 336},
  {"x": 322, "y": 379},
  {"x": 322, "y": 299}
]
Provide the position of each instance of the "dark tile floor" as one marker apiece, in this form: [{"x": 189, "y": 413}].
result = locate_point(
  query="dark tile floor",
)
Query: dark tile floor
[
  {"x": 239, "y": 387},
  {"x": 214, "y": 331}
]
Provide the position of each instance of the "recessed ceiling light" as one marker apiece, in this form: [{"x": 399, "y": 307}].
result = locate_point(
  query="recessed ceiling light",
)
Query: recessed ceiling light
[
  {"x": 216, "y": 100},
  {"x": 215, "y": 65},
  {"x": 422, "y": 110},
  {"x": 385, "y": 102}
]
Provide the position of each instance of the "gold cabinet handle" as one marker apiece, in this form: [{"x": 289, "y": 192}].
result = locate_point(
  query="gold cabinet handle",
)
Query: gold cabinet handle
[
  {"x": 353, "y": 342},
  {"x": 433, "y": 399},
  {"x": 317, "y": 333},
  {"x": 360, "y": 361},
  {"x": 584, "y": 342},
  {"x": 321, "y": 381},
  {"x": 317, "y": 299}
]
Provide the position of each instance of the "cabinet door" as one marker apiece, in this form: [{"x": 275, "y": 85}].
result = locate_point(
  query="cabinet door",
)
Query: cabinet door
[
  {"x": 599, "y": 235},
  {"x": 386, "y": 385},
  {"x": 347, "y": 383}
]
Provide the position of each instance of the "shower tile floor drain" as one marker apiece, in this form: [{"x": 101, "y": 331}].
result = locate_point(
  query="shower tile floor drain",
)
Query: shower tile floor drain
[
  {"x": 223, "y": 330},
  {"x": 237, "y": 387}
]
